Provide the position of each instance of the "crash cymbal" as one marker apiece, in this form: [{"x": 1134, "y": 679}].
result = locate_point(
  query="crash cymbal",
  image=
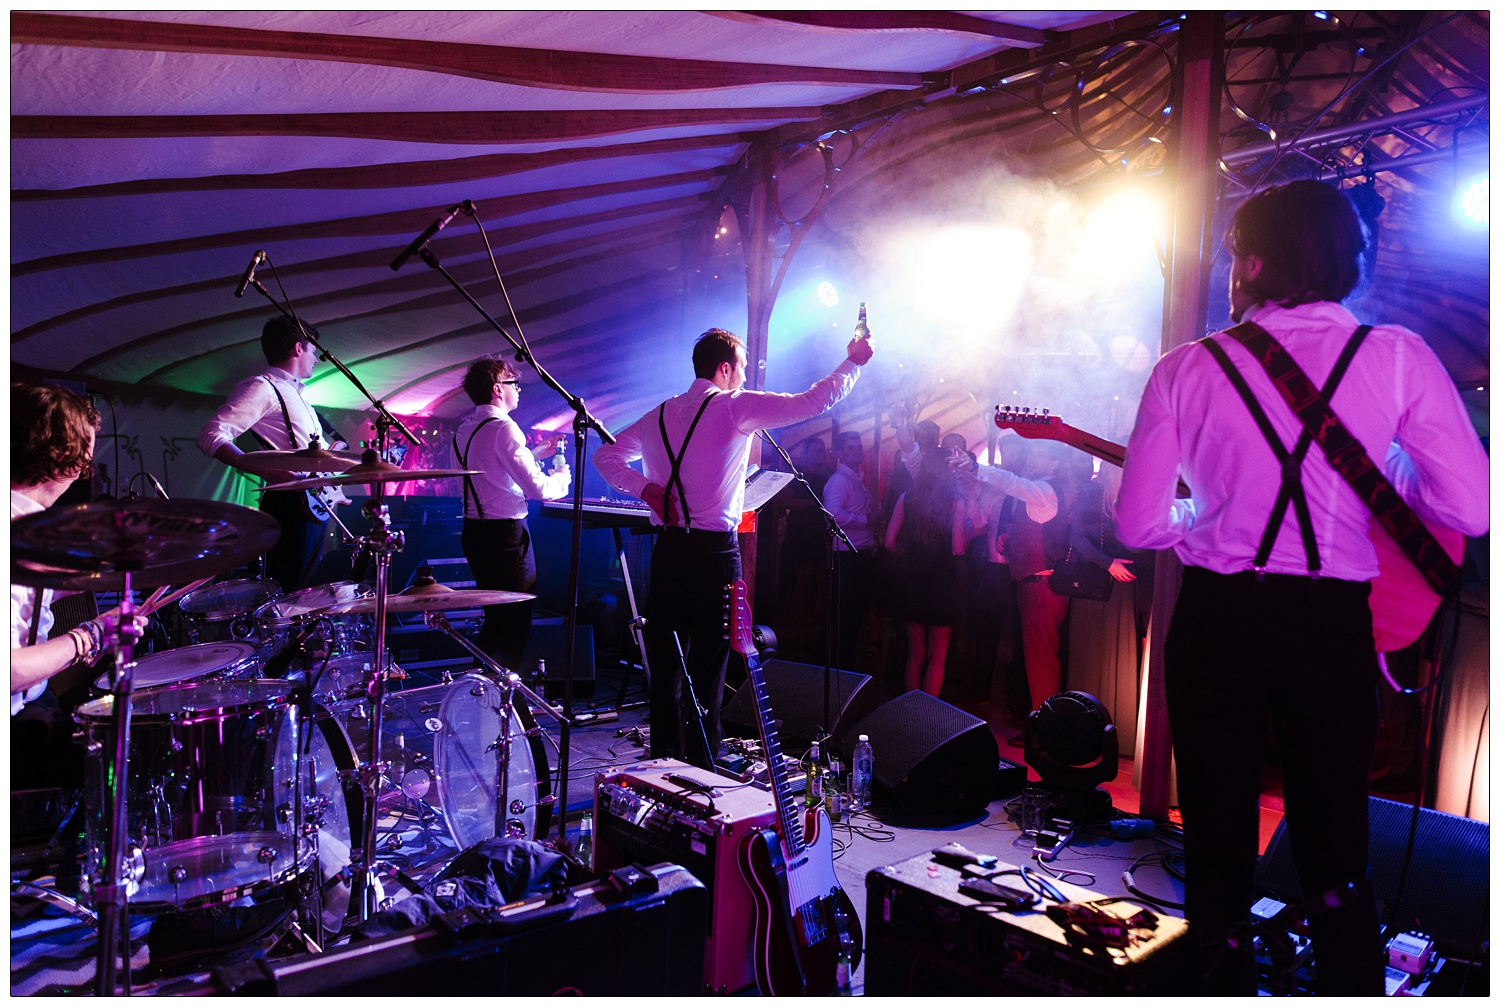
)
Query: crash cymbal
[
  {"x": 90, "y": 547},
  {"x": 314, "y": 459},
  {"x": 370, "y": 472},
  {"x": 429, "y": 598}
]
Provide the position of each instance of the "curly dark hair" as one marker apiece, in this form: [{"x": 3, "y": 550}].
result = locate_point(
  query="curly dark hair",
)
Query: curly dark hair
[
  {"x": 1309, "y": 239},
  {"x": 49, "y": 433},
  {"x": 481, "y": 376}
]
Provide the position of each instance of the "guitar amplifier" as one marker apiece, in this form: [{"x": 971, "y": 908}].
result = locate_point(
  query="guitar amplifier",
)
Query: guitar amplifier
[
  {"x": 643, "y": 811},
  {"x": 922, "y": 935}
]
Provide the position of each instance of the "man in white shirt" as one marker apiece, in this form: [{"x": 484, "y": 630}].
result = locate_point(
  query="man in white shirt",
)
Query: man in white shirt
[
  {"x": 694, "y": 450},
  {"x": 1273, "y": 620},
  {"x": 849, "y": 501},
  {"x": 496, "y": 540},
  {"x": 273, "y": 406}
]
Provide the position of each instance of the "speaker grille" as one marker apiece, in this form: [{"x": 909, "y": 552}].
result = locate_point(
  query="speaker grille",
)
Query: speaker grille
[
  {"x": 931, "y": 756},
  {"x": 1447, "y": 886}
]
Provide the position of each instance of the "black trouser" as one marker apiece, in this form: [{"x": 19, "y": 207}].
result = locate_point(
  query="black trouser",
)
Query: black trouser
[
  {"x": 42, "y": 750},
  {"x": 294, "y": 558},
  {"x": 689, "y": 573},
  {"x": 500, "y": 557},
  {"x": 1299, "y": 651}
]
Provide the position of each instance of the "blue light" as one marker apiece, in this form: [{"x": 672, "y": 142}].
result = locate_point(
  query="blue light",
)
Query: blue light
[
  {"x": 828, "y": 294},
  {"x": 1472, "y": 205}
]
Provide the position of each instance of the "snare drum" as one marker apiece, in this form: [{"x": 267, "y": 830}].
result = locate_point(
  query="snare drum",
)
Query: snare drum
[
  {"x": 282, "y": 618},
  {"x": 203, "y": 662},
  {"x": 214, "y": 801},
  {"x": 224, "y": 611}
]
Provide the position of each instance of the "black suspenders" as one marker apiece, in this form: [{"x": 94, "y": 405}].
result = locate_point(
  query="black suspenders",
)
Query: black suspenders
[
  {"x": 676, "y": 459},
  {"x": 463, "y": 462},
  {"x": 1291, "y": 461}
]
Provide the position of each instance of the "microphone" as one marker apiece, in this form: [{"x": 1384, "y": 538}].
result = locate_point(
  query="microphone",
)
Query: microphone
[
  {"x": 427, "y": 235},
  {"x": 255, "y": 260}
]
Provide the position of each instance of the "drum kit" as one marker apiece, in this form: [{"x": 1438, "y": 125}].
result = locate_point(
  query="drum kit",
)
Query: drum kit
[{"x": 270, "y": 753}]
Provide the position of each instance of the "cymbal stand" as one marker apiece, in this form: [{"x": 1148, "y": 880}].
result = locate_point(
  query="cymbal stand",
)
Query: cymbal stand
[
  {"x": 439, "y": 622},
  {"x": 382, "y": 541},
  {"x": 111, "y": 895}
]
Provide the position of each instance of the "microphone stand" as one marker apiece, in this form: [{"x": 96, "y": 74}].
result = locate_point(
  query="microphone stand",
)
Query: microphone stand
[
  {"x": 830, "y": 614},
  {"x": 583, "y": 422}
]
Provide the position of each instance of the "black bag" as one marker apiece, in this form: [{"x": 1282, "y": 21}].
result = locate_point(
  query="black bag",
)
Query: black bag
[{"x": 1082, "y": 579}]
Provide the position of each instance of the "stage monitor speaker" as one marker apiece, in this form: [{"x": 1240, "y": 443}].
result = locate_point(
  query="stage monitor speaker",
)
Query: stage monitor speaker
[
  {"x": 930, "y": 756},
  {"x": 796, "y": 692},
  {"x": 548, "y": 643},
  {"x": 1447, "y": 887}
]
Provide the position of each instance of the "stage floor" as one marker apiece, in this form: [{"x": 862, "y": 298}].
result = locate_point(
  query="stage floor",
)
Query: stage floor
[{"x": 49, "y": 949}]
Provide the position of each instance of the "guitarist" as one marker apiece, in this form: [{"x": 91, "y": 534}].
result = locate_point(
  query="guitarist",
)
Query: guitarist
[
  {"x": 272, "y": 405},
  {"x": 1273, "y": 619}
]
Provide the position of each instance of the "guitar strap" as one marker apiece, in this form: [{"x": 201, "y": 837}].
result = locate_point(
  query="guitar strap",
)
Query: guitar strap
[
  {"x": 676, "y": 459},
  {"x": 291, "y": 437},
  {"x": 1349, "y": 458},
  {"x": 463, "y": 463}
]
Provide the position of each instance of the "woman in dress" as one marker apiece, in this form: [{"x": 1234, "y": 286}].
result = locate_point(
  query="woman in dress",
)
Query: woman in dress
[{"x": 926, "y": 536}]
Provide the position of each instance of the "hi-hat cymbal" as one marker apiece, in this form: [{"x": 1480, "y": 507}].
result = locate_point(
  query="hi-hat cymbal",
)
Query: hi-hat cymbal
[
  {"x": 90, "y": 547},
  {"x": 429, "y": 598},
  {"x": 370, "y": 472},
  {"x": 312, "y": 459}
]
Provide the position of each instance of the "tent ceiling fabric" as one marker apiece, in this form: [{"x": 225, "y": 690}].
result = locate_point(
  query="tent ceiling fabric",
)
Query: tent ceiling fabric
[{"x": 153, "y": 152}]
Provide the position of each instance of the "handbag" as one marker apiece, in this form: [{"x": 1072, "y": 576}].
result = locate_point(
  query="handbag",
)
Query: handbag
[{"x": 1080, "y": 578}]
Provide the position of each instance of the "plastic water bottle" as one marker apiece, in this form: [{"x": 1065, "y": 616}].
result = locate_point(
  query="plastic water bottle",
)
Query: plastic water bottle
[{"x": 861, "y": 774}]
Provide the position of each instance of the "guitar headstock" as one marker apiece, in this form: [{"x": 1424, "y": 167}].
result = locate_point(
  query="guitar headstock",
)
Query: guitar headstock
[
  {"x": 1028, "y": 422},
  {"x": 741, "y": 631}
]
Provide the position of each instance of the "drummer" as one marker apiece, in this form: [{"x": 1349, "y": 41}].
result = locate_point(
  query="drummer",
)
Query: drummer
[
  {"x": 495, "y": 540},
  {"x": 51, "y": 445},
  {"x": 273, "y": 407}
]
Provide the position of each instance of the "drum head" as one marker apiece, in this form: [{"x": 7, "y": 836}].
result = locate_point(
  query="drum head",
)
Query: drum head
[
  {"x": 309, "y": 600},
  {"x": 228, "y": 599},
  {"x": 195, "y": 702},
  {"x": 188, "y": 664},
  {"x": 467, "y": 761}
]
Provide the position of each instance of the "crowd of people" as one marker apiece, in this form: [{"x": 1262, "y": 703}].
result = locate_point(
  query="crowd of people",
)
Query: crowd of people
[{"x": 950, "y": 588}]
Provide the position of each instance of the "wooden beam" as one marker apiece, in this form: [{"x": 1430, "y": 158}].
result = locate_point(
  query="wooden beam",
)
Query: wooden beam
[
  {"x": 379, "y": 224},
  {"x": 410, "y": 127},
  {"x": 552, "y": 68},
  {"x": 899, "y": 20},
  {"x": 499, "y": 237},
  {"x": 387, "y": 176}
]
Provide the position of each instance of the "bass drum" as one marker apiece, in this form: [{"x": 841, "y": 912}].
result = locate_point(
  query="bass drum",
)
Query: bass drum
[
  {"x": 440, "y": 744},
  {"x": 214, "y": 802}
]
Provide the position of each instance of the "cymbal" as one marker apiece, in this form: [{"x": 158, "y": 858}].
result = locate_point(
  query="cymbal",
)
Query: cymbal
[
  {"x": 312, "y": 459},
  {"x": 90, "y": 547},
  {"x": 429, "y": 598},
  {"x": 370, "y": 472}
]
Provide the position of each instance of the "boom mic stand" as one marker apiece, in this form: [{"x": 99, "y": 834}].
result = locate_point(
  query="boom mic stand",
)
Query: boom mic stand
[
  {"x": 583, "y": 421},
  {"x": 830, "y": 613}
]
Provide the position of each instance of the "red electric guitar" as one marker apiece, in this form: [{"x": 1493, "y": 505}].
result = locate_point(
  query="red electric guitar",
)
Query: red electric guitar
[
  {"x": 1402, "y": 601},
  {"x": 802, "y": 914}
]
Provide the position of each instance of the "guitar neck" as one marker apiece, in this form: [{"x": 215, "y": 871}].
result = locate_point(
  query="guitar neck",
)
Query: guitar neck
[{"x": 781, "y": 784}]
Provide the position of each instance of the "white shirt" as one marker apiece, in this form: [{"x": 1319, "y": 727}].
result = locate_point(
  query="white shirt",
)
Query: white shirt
[
  {"x": 22, "y": 601},
  {"x": 1039, "y": 497},
  {"x": 713, "y": 469},
  {"x": 253, "y": 406},
  {"x": 849, "y": 501},
  {"x": 509, "y": 473},
  {"x": 1192, "y": 422}
]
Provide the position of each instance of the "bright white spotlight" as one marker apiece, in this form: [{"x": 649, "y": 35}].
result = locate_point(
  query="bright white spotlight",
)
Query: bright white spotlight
[
  {"x": 828, "y": 294},
  {"x": 963, "y": 281},
  {"x": 1473, "y": 203},
  {"x": 1118, "y": 236}
]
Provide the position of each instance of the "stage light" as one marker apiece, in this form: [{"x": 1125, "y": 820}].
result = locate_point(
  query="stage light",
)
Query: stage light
[
  {"x": 1472, "y": 205},
  {"x": 828, "y": 294},
  {"x": 964, "y": 282},
  {"x": 1072, "y": 744}
]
